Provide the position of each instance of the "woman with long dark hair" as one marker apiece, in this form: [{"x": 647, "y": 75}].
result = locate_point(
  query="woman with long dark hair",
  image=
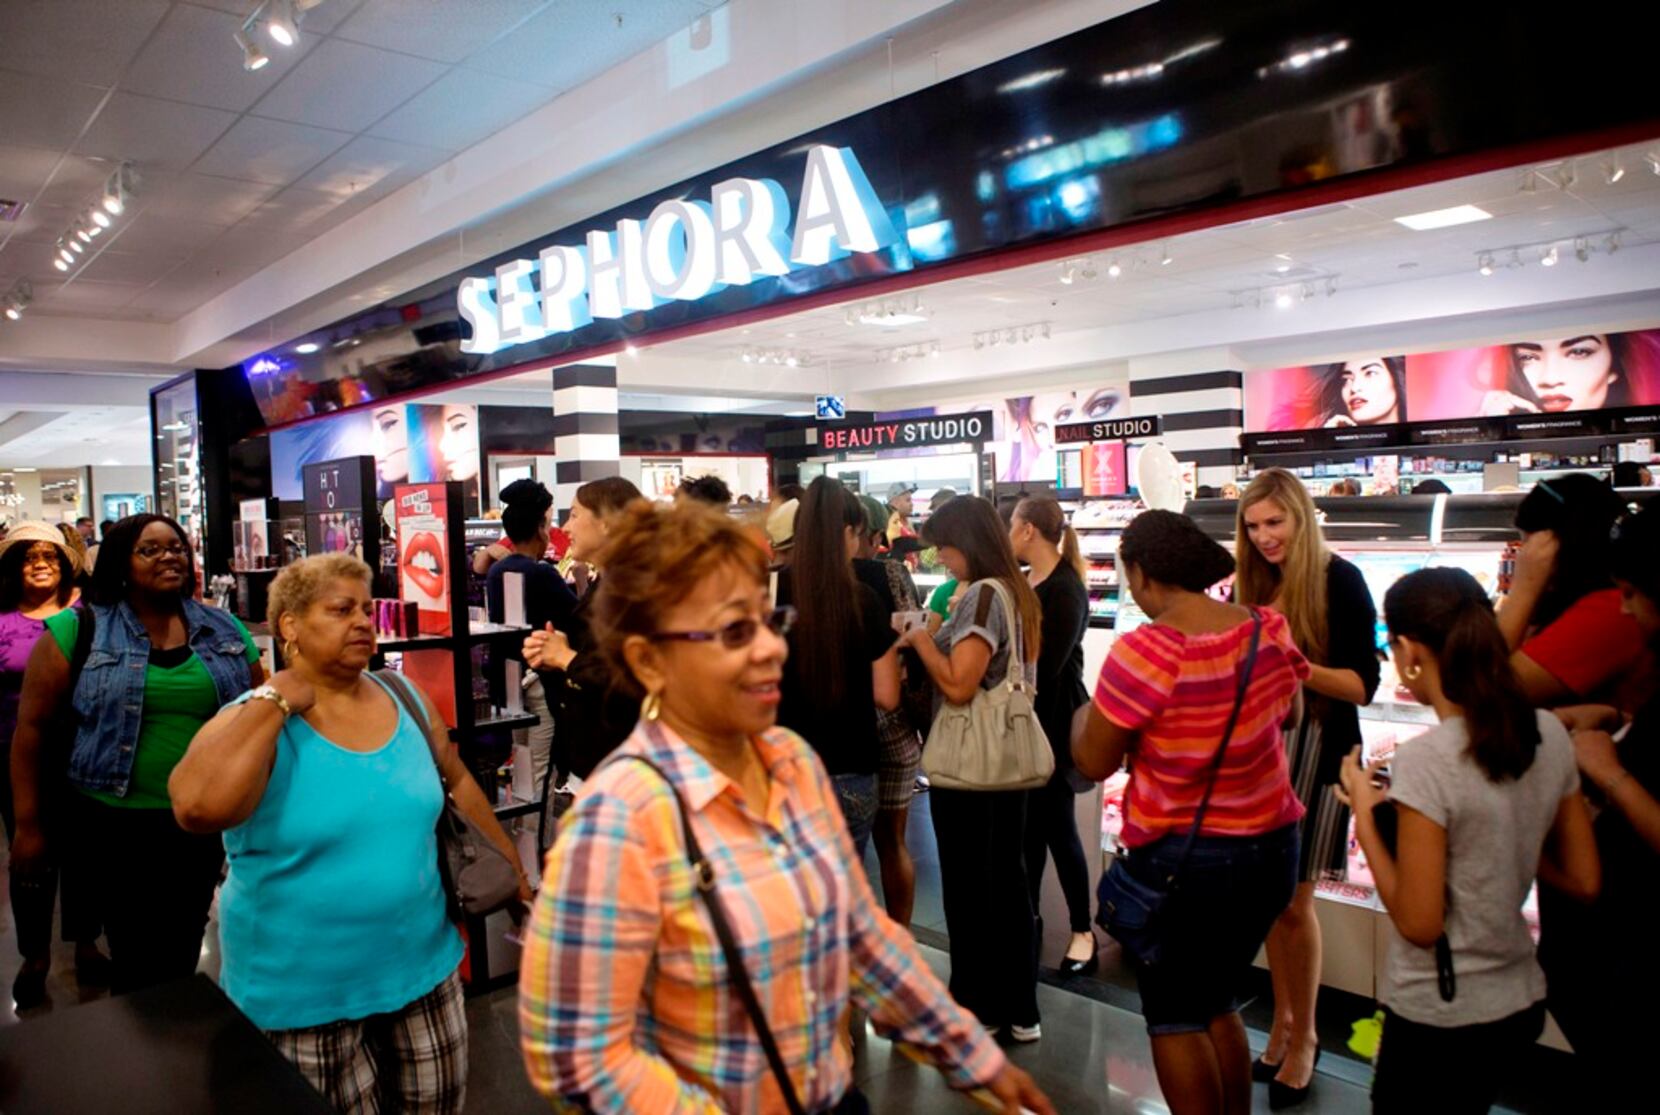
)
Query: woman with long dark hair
[
  {"x": 1483, "y": 803},
  {"x": 1048, "y": 546},
  {"x": 1365, "y": 391},
  {"x": 592, "y": 713},
  {"x": 1571, "y": 642},
  {"x": 1600, "y": 960},
  {"x": 982, "y": 835},
  {"x": 1285, "y": 564},
  {"x": 843, "y": 663},
  {"x": 143, "y": 668}
]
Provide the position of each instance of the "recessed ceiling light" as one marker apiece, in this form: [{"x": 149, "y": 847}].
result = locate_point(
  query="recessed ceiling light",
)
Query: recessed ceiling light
[
  {"x": 306, "y": 348},
  {"x": 1443, "y": 218}
]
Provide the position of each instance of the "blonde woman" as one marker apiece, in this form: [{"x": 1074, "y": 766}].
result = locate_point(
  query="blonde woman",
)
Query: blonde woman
[{"x": 1284, "y": 563}]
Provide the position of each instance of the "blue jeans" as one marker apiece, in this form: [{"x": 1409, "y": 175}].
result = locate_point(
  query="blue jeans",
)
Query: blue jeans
[
  {"x": 856, "y": 794},
  {"x": 1228, "y": 896}
]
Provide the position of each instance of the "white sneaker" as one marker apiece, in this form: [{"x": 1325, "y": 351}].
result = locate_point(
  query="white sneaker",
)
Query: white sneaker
[{"x": 1026, "y": 1033}]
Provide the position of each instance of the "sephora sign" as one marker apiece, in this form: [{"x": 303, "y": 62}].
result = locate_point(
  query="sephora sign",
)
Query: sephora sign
[{"x": 685, "y": 250}]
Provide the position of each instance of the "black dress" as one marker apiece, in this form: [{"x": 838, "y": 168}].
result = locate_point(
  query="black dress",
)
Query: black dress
[
  {"x": 1330, "y": 728},
  {"x": 592, "y": 711}
]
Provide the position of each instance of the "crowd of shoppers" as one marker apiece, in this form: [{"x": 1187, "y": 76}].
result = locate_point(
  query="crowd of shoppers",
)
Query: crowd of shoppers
[{"x": 741, "y": 719}]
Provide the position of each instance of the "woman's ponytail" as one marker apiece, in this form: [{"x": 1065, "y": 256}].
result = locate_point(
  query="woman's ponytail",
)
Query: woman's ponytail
[
  {"x": 1073, "y": 554},
  {"x": 1447, "y": 611}
]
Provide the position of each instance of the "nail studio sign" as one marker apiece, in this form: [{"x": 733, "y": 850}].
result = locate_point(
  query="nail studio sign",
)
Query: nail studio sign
[
  {"x": 685, "y": 250},
  {"x": 909, "y": 433}
]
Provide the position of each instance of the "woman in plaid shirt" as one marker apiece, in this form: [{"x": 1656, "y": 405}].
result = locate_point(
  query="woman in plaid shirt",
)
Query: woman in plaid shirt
[{"x": 626, "y": 1001}]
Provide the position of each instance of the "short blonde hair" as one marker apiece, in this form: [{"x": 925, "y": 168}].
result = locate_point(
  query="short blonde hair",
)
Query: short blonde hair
[{"x": 299, "y": 585}]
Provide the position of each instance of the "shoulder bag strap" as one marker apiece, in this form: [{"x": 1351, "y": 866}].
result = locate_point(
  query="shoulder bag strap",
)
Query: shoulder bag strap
[
  {"x": 405, "y": 696},
  {"x": 703, "y": 875},
  {"x": 1014, "y": 675},
  {"x": 1221, "y": 748}
]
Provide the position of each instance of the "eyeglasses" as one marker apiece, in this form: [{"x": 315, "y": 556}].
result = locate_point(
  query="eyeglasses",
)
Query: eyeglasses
[
  {"x": 737, "y": 634},
  {"x": 150, "y": 551},
  {"x": 43, "y": 555}
]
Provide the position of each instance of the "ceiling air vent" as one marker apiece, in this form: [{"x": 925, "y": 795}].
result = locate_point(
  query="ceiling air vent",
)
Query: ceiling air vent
[{"x": 11, "y": 210}]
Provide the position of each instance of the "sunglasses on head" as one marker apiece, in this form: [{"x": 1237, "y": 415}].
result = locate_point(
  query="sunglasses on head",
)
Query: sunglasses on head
[{"x": 737, "y": 634}]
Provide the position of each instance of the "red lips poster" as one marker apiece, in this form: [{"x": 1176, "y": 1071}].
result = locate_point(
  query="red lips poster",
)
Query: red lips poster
[{"x": 423, "y": 566}]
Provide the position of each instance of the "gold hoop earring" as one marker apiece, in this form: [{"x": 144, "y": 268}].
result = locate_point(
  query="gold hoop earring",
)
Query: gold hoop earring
[
  {"x": 652, "y": 707},
  {"x": 290, "y": 651},
  {"x": 1414, "y": 672}
]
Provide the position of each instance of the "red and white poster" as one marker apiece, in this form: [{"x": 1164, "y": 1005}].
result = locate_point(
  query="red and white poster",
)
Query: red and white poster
[
  {"x": 1104, "y": 471},
  {"x": 422, "y": 518}
]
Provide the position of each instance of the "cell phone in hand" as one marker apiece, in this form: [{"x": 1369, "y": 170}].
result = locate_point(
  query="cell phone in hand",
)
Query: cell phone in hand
[{"x": 904, "y": 622}]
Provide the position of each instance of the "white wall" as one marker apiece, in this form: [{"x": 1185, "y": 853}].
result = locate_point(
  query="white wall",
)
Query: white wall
[{"x": 118, "y": 479}]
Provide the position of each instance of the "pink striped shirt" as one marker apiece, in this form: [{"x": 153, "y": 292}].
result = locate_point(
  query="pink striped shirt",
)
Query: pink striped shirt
[{"x": 1177, "y": 690}]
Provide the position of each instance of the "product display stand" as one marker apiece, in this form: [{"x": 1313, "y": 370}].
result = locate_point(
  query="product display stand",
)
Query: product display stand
[{"x": 449, "y": 680}]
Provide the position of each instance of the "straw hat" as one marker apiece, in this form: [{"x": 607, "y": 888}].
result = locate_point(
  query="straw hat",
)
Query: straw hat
[
  {"x": 34, "y": 531},
  {"x": 781, "y": 524}
]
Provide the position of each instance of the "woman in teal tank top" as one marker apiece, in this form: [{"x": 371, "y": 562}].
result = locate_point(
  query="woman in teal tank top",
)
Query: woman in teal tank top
[{"x": 334, "y": 932}]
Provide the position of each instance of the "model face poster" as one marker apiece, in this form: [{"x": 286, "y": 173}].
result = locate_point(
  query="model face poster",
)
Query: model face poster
[
  {"x": 1556, "y": 371},
  {"x": 1024, "y": 434},
  {"x": 423, "y": 564},
  {"x": 423, "y": 443}
]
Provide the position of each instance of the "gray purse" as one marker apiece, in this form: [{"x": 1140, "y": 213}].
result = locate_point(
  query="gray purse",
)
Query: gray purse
[
  {"x": 478, "y": 878},
  {"x": 995, "y": 741}
]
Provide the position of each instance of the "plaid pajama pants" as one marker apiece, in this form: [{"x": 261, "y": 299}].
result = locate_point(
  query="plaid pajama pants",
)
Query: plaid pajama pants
[{"x": 411, "y": 1060}]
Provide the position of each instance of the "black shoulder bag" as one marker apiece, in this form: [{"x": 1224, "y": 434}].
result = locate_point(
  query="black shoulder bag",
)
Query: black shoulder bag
[
  {"x": 703, "y": 876},
  {"x": 1129, "y": 908}
]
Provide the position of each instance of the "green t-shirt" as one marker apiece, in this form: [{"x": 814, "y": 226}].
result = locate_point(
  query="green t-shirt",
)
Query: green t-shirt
[
  {"x": 940, "y": 601},
  {"x": 178, "y": 700}
]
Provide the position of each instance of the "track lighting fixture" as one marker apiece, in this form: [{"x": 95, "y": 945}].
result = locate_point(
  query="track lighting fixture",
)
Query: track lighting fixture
[
  {"x": 1653, "y": 161},
  {"x": 1548, "y": 257},
  {"x": 1614, "y": 170},
  {"x": 118, "y": 190},
  {"x": 281, "y": 23},
  {"x": 1114, "y": 269},
  {"x": 1582, "y": 249},
  {"x": 1164, "y": 256},
  {"x": 18, "y": 299},
  {"x": 1484, "y": 263},
  {"x": 99, "y": 218},
  {"x": 253, "y": 58}
]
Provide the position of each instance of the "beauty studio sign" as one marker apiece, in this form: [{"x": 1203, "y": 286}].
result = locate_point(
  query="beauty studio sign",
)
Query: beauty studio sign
[{"x": 687, "y": 249}]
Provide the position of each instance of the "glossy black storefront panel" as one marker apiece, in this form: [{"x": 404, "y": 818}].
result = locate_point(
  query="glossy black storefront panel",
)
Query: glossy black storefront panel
[{"x": 1183, "y": 107}]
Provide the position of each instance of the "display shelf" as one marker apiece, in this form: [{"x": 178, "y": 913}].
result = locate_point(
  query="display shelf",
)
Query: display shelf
[
  {"x": 401, "y": 643},
  {"x": 499, "y": 723},
  {"x": 485, "y": 632}
]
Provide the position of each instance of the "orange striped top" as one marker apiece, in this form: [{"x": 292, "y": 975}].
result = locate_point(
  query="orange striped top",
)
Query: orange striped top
[{"x": 1177, "y": 690}]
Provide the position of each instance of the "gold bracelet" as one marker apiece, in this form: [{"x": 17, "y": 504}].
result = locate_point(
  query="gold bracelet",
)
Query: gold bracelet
[{"x": 270, "y": 693}]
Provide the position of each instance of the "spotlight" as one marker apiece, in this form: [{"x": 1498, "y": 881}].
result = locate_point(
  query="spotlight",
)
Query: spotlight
[
  {"x": 60, "y": 264},
  {"x": 1582, "y": 250},
  {"x": 64, "y": 253},
  {"x": 306, "y": 348},
  {"x": 118, "y": 189},
  {"x": 1612, "y": 244},
  {"x": 18, "y": 300},
  {"x": 1164, "y": 256},
  {"x": 792, "y": 360},
  {"x": 280, "y": 23},
  {"x": 1530, "y": 181},
  {"x": 1283, "y": 300},
  {"x": 1485, "y": 261},
  {"x": 1569, "y": 176},
  {"x": 1614, "y": 170},
  {"x": 83, "y": 235},
  {"x": 1114, "y": 269},
  {"x": 1068, "y": 273},
  {"x": 100, "y": 218},
  {"x": 1549, "y": 257},
  {"x": 1653, "y": 161},
  {"x": 253, "y": 58}
]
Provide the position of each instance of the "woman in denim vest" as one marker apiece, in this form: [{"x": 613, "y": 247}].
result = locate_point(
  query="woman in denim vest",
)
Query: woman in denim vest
[{"x": 157, "y": 666}]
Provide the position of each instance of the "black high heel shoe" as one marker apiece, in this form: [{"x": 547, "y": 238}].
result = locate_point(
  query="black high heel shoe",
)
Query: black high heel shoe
[
  {"x": 1262, "y": 1072},
  {"x": 1281, "y": 1096},
  {"x": 1070, "y": 967}
]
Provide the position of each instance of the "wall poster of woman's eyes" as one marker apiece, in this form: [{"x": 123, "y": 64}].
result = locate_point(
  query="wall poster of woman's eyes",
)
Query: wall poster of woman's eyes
[{"x": 1555, "y": 371}]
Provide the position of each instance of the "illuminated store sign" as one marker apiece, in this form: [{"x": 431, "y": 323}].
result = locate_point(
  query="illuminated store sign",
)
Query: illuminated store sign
[
  {"x": 684, "y": 251},
  {"x": 909, "y": 433},
  {"x": 1110, "y": 429}
]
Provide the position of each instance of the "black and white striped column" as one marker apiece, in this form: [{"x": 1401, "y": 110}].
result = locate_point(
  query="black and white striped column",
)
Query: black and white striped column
[
  {"x": 585, "y": 437},
  {"x": 1204, "y": 414}
]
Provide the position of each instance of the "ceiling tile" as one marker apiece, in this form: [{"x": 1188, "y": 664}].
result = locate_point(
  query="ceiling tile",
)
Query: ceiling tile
[
  {"x": 192, "y": 58},
  {"x": 24, "y": 173},
  {"x": 78, "y": 40},
  {"x": 202, "y": 198},
  {"x": 44, "y": 114},
  {"x": 164, "y": 236},
  {"x": 375, "y": 165},
  {"x": 269, "y": 151},
  {"x": 92, "y": 297},
  {"x": 348, "y": 86},
  {"x": 459, "y": 110},
  {"x": 113, "y": 265},
  {"x": 155, "y": 135},
  {"x": 318, "y": 21},
  {"x": 447, "y": 30},
  {"x": 572, "y": 41}
]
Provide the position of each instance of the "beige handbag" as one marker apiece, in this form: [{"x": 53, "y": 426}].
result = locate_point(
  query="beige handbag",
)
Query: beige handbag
[{"x": 995, "y": 741}]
